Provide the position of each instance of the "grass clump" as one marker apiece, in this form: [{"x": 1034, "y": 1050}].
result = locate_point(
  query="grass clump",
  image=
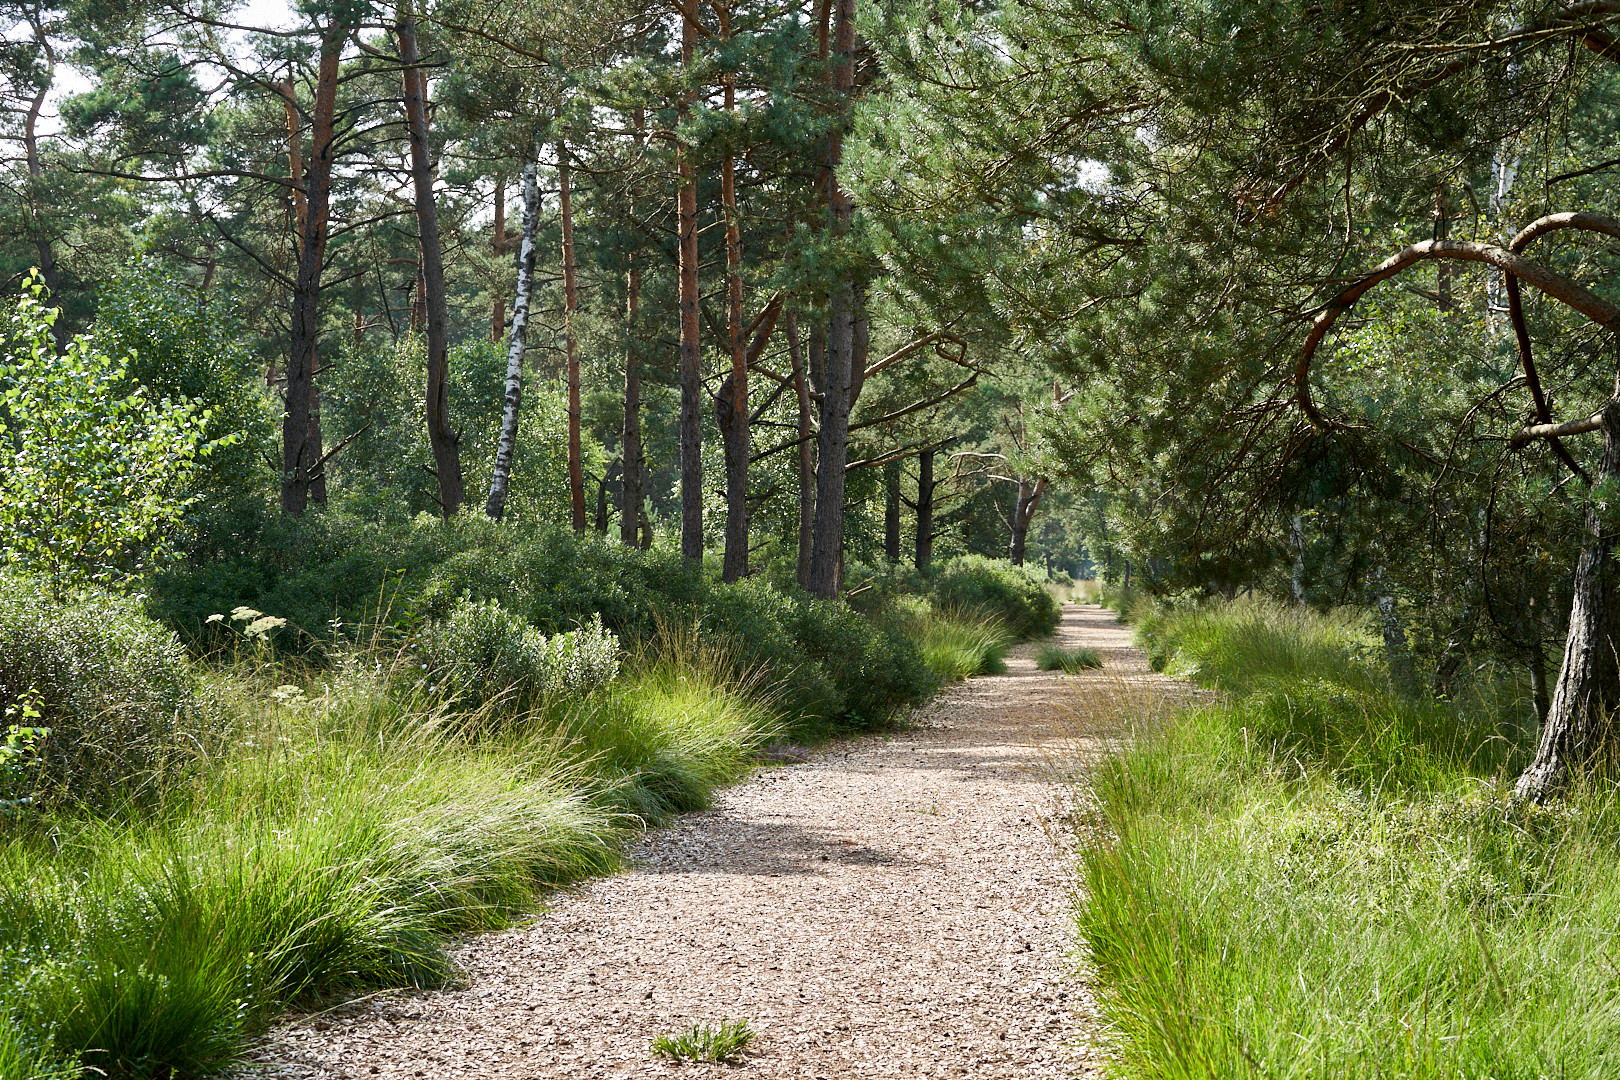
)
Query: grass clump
[
  {"x": 957, "y": 644},
  {"x": 724, "y": 1041},
  {"x": 1315, "y": 876},
  {"x": 1070, "y": 661},
  {"x": 356, "y": 819}
]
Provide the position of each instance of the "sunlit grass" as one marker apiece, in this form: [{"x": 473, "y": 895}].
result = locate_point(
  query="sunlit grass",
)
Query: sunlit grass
[
  {"x": 723, "y": 1041},
  {"x": 1318, "y": 877},
  {"x": 1070, "y": 661},
  {"x": 348, "y": 829}
]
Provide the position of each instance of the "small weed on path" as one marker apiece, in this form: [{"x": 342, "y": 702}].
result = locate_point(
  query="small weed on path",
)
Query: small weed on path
[
  {"x": 1070, "y": 661},
  {"x": 706, "y": 1042}
]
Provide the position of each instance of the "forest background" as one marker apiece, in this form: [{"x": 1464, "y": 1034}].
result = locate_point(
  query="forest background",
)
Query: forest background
[{"x": 814, "y": 306}]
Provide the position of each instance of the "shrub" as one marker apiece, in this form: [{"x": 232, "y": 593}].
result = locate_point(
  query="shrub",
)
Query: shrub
[
  {"x": 973, "y": 582},
  {"x": 821, "y": 660},
  {"x": 482, "y": 651},
  {"x": 113, "y": 687}
]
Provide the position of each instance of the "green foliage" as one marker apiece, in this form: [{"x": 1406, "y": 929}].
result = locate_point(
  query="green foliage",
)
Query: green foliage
[
  {"x": 724, "y": 1041},
  {"x": 112, "y": 686},
  {"x": 822, "y": 660},
  {"x": 91, "y": 469},
  {"x": 184, "y": 344},
  {"x": 332, "y": 843},
  {"x": 1316, "y": 877},
  {"x": 955, "y": 645},
  {"x": 482, "y": 652},
  {"x": 994, "y": 586},
  {"x": 1069, "y": 661}
]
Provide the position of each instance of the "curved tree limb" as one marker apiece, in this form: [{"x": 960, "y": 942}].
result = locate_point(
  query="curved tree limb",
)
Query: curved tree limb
[
  {"x": 1553, "y": 284},
  {"x": 1526, "y": 236}
]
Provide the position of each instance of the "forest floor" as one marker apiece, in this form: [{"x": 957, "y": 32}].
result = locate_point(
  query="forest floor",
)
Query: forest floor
[{"x": 897, "y": 905}]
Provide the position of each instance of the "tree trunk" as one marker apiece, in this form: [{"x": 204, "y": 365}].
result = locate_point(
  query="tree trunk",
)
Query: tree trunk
[
  {"x": 1577, "y": 727},
  {"x": 630, "y": 493},
  {"x": 1397, "y": 652},
  {"x": 925, "y": 510},
  {"x": 807, "y": 464},
  {"x": 1537, "y": 662},
  {"x": 495, "y": 507},
  {"x": 443, "y": 441},
  {"x": 842, "y": 378},
  {"x": 36, "y": 175},
  {"x": 1029, "y": 497},
  {"x": 302, "y": 460},
  {"x": 735, "y": 434},
  {"x": 1296, "y": 535},
  {"x": 691, "y": 431},
  {"x": 576, "y": 467},
  {"x": 497, "y": 319},
  {"x": 891, "y": 511}
]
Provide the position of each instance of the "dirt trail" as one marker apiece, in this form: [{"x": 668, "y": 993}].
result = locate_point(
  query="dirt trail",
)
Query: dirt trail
[{"x": 894, "y": 907}]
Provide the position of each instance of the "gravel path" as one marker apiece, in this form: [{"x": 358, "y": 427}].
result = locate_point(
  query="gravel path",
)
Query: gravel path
[{"x": 897, "y": 906}]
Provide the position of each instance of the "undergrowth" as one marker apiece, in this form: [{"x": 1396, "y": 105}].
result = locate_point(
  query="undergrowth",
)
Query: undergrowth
[
  {"x": 336, "y": 819},
  {"x": 1315, "y": 876}
]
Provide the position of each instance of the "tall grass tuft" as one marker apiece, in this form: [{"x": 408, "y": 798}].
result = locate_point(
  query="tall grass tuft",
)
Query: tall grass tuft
[
  {"x": 956, "y": 643},
  {"x": 1315, "y": 877},
  {"x": 351, "y": 826}
]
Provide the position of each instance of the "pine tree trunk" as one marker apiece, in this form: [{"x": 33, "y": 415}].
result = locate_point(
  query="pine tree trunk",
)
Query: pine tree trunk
[
  {"x": 36, "y": 175},
  {"x": 842, "y": 376},
  {"x": 497, "y": 318},
  {"x": 301, "y": 455},
  {"x": 442, "y": 439},
  {"x": 630, "y": 493},
  {"x": 891, "y": 512},
  {"x": 1577, "y": 729},
  {"x": 735, "y": 434},
  {"x": 925, "y": 511},
  {"x": 576, "y": 466},
  {"x": 506, "y": 450},
  {"x": 691, "y": 418},
  {"x": 1029, "y": 497},
  {"x": 807, "y": 463}
]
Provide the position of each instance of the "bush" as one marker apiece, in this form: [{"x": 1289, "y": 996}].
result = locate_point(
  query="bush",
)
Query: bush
[
  {"x": 821, "y": 660},
  {"x": 975, "y": 583},
  {"x": 482, "y": 652},
  {"x": 113, "y": 687}
]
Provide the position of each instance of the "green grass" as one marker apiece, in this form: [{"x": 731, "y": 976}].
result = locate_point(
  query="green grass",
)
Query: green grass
[
  {"x": 331, "y": 850},
  {"x": 1071, "y": 661},
  {"x": 1315, "y": 877},
  {"x": 724, "y": 1041},
  {"x": 956, "y": 644}
]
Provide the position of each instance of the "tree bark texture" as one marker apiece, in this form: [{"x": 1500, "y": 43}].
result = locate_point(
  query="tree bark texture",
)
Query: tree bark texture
[
  {"x": 807, "y": 463},
  {"x": 517, "y": 345},
  {"x": 691, "y": 418},
  {"x": 302, "y": 460},
  {"x": 442, "y": 439},
  {"x": 36, "y": 176},
  {"x": 497, "y": 317},
  {"x": 1029, "y": 498},
  {"x": 630, "y": 491},
  {"x": 891, "y": 511},
  {"x": 925, "y": 511},
  {"x": 576, "y": 467},
  {"x": 1578, "y": 729},
  {"x": 734, "y": 434},
  {"x": 841, "y": 377}
]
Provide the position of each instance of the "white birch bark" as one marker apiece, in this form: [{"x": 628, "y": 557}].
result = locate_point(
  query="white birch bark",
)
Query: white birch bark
[{"x": 516, "y": 343}]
